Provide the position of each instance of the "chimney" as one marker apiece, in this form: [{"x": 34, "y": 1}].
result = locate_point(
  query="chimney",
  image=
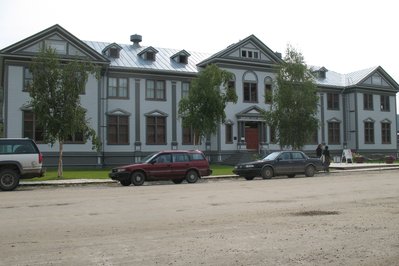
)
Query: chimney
[{"x": 136, "y": 39}]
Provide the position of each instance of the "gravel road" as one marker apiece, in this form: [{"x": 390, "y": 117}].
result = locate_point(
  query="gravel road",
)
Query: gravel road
[{"x": 329, "y": 219}]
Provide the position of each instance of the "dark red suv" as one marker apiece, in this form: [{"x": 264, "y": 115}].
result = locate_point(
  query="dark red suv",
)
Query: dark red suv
[{"x": 175, "y": 165}]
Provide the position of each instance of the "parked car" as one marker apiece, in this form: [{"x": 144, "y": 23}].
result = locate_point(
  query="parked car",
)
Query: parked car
[
  {"x": 19, "y": 158},
  {"x": 280, "y": 163},
  {"x": 175, "y": 165}
]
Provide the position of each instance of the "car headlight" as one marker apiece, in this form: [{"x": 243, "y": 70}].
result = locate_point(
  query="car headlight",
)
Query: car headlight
[
  {"x": 118, "y": 170},
  {"x": 249, "y": 166}
]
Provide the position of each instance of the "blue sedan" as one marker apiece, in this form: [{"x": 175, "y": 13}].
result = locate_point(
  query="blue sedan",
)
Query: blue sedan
[{"x": 280, "y": 163}]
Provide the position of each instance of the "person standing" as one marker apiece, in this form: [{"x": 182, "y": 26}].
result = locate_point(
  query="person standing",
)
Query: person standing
[
  {"x": 319, "y": 151},
  {"x": 327, "y": 159}
]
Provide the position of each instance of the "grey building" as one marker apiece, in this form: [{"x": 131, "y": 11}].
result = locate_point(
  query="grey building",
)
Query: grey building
[{"x": 133, "y": 106}]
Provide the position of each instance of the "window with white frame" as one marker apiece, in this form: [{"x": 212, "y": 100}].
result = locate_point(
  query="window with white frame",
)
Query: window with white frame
[
  {"x": 384, "y": 103},
  {"x": 156, "y": 130},
  {"x": 385, "y": 133},
  {"x": 118, "y": 129},
  {"x": 369, "y": 132},
  {"x": 185, "y": 89},
  {"x": 250, "y": 92},
  {"x": 117, "y": 87},
  {"x": 250, "y": 53},
  {"x": 334, "y": 133},
  {"x": 155, "y": 90}
]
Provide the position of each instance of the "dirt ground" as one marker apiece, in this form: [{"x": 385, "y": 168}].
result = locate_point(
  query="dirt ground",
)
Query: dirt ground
[{"x": 330, "y": 219}]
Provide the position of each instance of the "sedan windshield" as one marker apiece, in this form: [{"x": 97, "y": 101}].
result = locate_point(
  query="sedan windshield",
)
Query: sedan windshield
[{"x": 271, "y": 156}]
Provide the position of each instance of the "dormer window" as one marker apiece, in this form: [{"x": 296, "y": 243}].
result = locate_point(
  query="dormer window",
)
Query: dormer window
[
  {"x": 112, "y": 50},
  {"x": 150, "y": 56},
  {"x": 250, "y": 53},
  {"x": 320, "y": 73},
  {"x": 148, "y": 53},
  {"x": 181, "y": 57}
]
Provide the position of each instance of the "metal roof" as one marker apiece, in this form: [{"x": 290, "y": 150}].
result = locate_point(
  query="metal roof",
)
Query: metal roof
[
  {"x": 129, "y": 58},
  {"x": 335, "y": 79}
]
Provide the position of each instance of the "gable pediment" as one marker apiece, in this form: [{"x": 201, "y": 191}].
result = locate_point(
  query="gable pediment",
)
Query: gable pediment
[
  {"x": 248, "y": 51},
  {"x": 156, "y": 113},
  {"x": 379, "y": 79},
  {"x": 251, "y": 113},
  {"x": 64, "y": 43},
  {"x": 118, "y": 111}
]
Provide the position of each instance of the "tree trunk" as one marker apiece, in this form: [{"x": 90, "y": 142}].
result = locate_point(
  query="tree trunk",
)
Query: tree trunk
[{"x": 60, "y": 159}]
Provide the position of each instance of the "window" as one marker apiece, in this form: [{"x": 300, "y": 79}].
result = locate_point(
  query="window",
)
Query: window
[
  {"x": 188, "y": 136},
  {"x": 181, "y": 157},
  {"x": 185, "y": 89},
  {"x": 250, "y": 92},
  {"x": 75, "y": 138},
  {"x": 118, "y": 129},
  {"x": 183, "y": 59},
  {"x": 268, "y": 93},
  {"x": 30, "y": 129},
  {"x": 117, "y": 88},
  {"x": 273, "y": 137},
  {"x": 367, "y": 101},
  {"x": 369, "y": 132},
  {"x": 114, "y": 52},
  {"x": 333, "y": 133},
  {"x": 333, "y": 101},
  {"x": 386, "y": 133},
  {"x": 150, "y": 56},
  {"x": 28, "y": 79},
  {"x": 156, "y": 130},
  {"x": 297, "y": 156},
  {"x": 384, "y": 103},
  {"x": 248, "y": 53},
  {"x": 229, "y": 133},
  {"x": 314, "y": 138},
  {"x": 60, "y": 47},
  {"x": 231, "y": 86},
  {"x": 155, "y": 90}
]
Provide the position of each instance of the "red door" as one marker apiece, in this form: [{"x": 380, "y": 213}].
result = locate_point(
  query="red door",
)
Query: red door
[{"x": 252, "y": 138}]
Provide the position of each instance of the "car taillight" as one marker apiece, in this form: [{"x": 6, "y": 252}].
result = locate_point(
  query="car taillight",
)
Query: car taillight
[{"x": 40, "y": 157}]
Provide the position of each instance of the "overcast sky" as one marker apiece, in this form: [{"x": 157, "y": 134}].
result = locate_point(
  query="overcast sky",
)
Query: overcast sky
[{"x": 341, "y": 35}]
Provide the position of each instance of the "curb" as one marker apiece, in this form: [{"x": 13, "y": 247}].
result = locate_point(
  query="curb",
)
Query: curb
[{"x": 72, "y": 182}]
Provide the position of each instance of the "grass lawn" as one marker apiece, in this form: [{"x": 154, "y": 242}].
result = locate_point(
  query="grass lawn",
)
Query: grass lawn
[{"x": 73, "y": 173}]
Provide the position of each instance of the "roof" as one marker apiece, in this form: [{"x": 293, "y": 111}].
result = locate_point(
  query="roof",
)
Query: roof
[
  {"x": 335, "y": 79},
  {"x": 129, "y": 57}
]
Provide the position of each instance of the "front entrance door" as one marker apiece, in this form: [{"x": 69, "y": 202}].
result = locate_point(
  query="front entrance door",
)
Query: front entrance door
[{"x": 252, "y": 135}]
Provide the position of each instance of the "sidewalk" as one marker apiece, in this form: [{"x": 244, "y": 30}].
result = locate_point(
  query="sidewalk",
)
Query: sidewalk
[{"x": 334, "y": 168}]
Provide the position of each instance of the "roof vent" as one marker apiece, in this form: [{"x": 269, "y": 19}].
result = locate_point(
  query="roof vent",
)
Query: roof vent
[{"x": 136, "y": 39}]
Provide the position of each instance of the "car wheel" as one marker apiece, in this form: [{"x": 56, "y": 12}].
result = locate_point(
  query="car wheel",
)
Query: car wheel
[
  {"x": 249, "y": 177},
  {"x": 291, "y": 175},
  {"x": 191, "y": 176},
  {"x": 138, "y": 178},
  {"x": 267, "y": 173},
  {"x": 309, "y": 171},
  {"x": 177, "y": 181},
  {"x": 126, "y": 182},
  {"x": 9, "y": 179}
]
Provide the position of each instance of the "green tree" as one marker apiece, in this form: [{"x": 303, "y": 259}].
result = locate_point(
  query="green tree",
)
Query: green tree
[
  {"x": 204, "y": 108},
  {"x": 55, "y": 99},
  {"x": 294, "y": 108}
]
